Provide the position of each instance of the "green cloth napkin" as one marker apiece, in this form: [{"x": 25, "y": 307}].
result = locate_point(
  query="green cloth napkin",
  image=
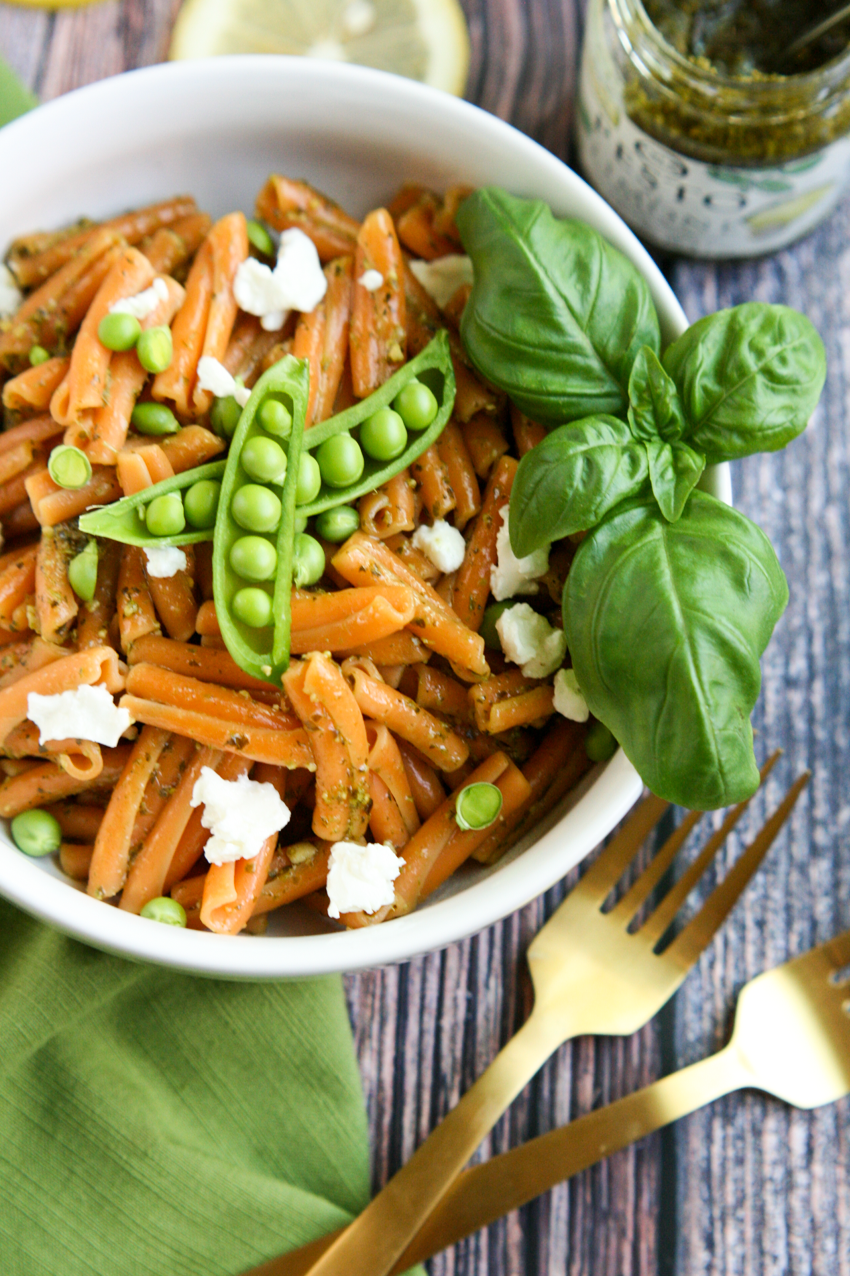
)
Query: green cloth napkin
[{"x": 157, "y": 1124}]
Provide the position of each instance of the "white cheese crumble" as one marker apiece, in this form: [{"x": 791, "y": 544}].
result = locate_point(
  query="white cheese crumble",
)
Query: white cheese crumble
[
  {"x": 568, "y": 698},
  {"x": 240, "y": 815},
  {"x": 213, "y": 376},
  {"x": 442, "y": 544},
  {"x": 86, "y": 713},
  {"x": 143, "y": 303},
  {"x": 360, "y": 878},
  {"x": 358, "y": 17},
  {"x": 511, "y": 575},
  {"x": 442, "y": 278},
  {"x": 371, "y": 280},
  {"x": 10, "y": 294},
  {"x": 296, "y": 283},
  {"x": 530, "y": 641},
  {"x": 165, "y": 561}
]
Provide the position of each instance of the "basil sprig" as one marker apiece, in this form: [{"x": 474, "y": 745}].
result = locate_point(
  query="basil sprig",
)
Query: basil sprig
[{"x": 672, "y": 595}]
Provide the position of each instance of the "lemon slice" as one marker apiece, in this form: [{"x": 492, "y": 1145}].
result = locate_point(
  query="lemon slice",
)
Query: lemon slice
[{"x": 424, "y": 40}]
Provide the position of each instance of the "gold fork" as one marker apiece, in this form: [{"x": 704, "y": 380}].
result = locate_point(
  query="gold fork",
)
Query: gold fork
[
  {"x": 791, "y": 1039},
  {"x": 590, "y": 975}
]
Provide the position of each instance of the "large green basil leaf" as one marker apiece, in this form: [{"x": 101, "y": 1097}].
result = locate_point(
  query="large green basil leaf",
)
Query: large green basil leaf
[
  {"x": 572, "y": 479},
  {"x": 674, "y": 471},
  {"x": 654, "y": 407},
  {"x": 749, "y": 379},
  {"x": 665, "y": 624},
  {"x": 556, "y": 315}
]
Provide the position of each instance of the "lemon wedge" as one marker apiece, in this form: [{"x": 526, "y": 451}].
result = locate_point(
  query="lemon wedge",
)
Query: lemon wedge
[{"x": 424, "y": 40}]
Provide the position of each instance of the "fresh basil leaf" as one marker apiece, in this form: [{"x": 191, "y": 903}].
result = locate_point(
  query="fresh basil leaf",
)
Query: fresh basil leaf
[
  {"x": 556, "y": 315},
  {"x": 674, "y": 471},
  {"x": 572, "y": 479},
  {"x": 749, "y": 379},
  {"x": 654, "y": 407},
  {"x": 665, "y": 624}
]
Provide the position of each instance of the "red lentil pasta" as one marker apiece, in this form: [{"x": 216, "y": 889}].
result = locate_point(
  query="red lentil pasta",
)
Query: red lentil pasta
[{"x": 396, "y": 697}]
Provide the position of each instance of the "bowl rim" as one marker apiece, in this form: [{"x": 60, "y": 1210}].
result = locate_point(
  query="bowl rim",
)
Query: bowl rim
[{"x": 616, "y": 786}]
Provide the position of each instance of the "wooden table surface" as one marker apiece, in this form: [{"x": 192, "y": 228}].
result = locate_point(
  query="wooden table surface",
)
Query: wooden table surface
[{"x": 747, "y": 1187}]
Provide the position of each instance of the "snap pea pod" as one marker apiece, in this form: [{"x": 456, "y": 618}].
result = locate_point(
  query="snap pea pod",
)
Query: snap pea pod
[
  {"x": 249, "y": 555},
  {"x": 433, "y": 366},
  {"x": 125, "y": 520}
]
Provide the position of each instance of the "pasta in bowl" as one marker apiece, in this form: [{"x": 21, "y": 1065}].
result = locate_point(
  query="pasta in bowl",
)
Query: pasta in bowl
[{"x": 263, "y": 754}]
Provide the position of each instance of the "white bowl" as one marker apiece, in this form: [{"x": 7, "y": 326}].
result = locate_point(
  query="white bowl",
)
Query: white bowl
[{"x": 216, "y": 129}]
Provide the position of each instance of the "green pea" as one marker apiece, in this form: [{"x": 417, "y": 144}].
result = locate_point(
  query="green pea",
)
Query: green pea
[
  {"x": 38, "y": 355},
  {"x": 340, "y": 460},
  {"x": 82, "y": 572},
  {"x": 309, "y": 479},
  {"x": 256, "y": 508},
  {"x": 275, "y": 417},
  {"x": 165, "y": 515},
  {"x": 36, "y": 832},
  {"x": 154, "y": 418},
  {"x": 164, "y": 909},
  {"x": 487, "y": 629},
  {"x": 299, "y": 523},
  {"x": 201, "y": 503},
  {"x": 118, "y": 331},
  {"x": 155, "y": 349},
  {"x": 252, "y": 606},
  {"x": 416, "y": 405},
  {"x": 260, "y": 238},
  {"x": 253, "y": 558},
  {"x": 599, "y": 743},
  {"x": 383, "y": 436},
  {"x": 478, "y": 806},
  {"x": 308, "y": 560},
  {"x": 337, "y": 524},
  {"x": 264, "y": 460},
  {"x": 69, "y": 467},
  {"x": 224, "y": 416}
]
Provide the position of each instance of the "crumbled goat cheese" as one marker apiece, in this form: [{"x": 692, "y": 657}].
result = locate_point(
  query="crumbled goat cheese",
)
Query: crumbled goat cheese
[
  {"x": 358, "y": 17},
  {"x": 442, "y": 544},
  {"x": 568, "y": 698},
  {"x": 360, "y": 878},
  {"x": 240, "y": 815},
  {"x": 213, "y": 376},
  {"x": 371, "y": 280},
  {"x": 530, "y": 641},
  {"x": 86, "y": 713},
  {"x": 10, "y": 294},
  {"x": 296, "y": 283},
  {"x": 511, "y": 575},
  {"x": 164, "y": 561},
  {"x": 144, "y": 303},
  {"x": 442, "y": 278}
]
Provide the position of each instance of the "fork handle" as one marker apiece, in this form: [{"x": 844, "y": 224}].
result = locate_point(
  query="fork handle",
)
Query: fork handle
[{"x": 376, "y": 1238}]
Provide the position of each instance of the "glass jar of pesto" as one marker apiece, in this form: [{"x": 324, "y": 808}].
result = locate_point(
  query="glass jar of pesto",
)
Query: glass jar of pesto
[{"x": 700, "y": 146}]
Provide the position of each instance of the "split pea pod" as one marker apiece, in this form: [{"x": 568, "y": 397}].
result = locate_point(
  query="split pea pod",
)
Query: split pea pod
[{"x": 126, "y": 520}]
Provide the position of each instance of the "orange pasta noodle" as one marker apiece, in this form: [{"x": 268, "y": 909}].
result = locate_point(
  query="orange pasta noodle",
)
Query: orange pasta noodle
[
  {"x": 485, "y": 442},
  {"x": 527, "y": 433},
  {"x": 337, "y": 621},
  {"x": 133, "y": 467},
  {"x": 460, "y": 474},
  {"x": 229, "y": 241},
  {"x": 201, "y": 663},
  {"x": 363, "y": 560},
  {"x": 29, "y": 657},
  {"x": 97, "y": 665},
  {"x": 401, "y": 649},
  {"x": 417, "y": 231},
  {"x": 385, "y": 822},
  {"x": 174, "y": 599},
  {"x": 190, "y": 848},
  {"x": 136, "y": 613},
  {"x": 14, "y": 492},
  {"x": 390, "y": 509},
  {"x": 321, "y": 337},
  {"x": 61, "y": 322},
  {"x": 31, "y": 390},
  {"x": 80, "y": 758},
  {"x": 56, "y": 604},
  {"x": 510, "y": 700},
  {"x": 232, "y": 890},
  {"x": 113, "y": 841},
  {"x": 440, "y": 693},
  {"x": 148, "y": 871},
  {"x": 414, "y": 558},
  {"x": 17, "y": 580},
  {"x": 48, "y": 782},
  {"x": 385, "y": 762},
  {"x": 18, "y": 522},
  {"x": 434, "y": 739},
  {"x": 287, "y": 748},
  {"x": 432, "y": 476},
  {"x": 444, "y": 218},
  {"x": 378, "y": 338},
  {"x": 191, "y": 446},
  {"x": 152, "y": 682},
  {"x": 78, "y": 823},
  {"x": 295, "y": 881},
  {"x": 206, "y": 621},
  {"x": 323, "y": 701},
  {"x": 162, "y": 783},
  {"x": 190, "y": 324},
  {"x": 472, "y": 584},
  {"x": 96, "y": 617},
  {"x": 38, "y": 431},
  {"x": 15, "y": 460},
  {"x": 74, "y": 860},
  {"x": 170, "y": 247},
  {"x": 284, "y": 203},
  {"x": 84, "y": 386},
  {"x": 426, "y": 786},
  {"x": 53, "y": 504}
]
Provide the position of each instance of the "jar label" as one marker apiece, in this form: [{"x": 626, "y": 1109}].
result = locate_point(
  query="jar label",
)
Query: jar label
[{"x": 687, "y": 205}]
